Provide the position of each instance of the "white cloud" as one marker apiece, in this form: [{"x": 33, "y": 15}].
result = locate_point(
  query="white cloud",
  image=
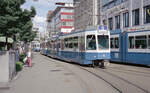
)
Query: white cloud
[
  {"x": 42, "y": 7},
  {"x": 40, "y": 22},
  {"x": 39, "y": 19},
  {"x": 41, "y": 29}
]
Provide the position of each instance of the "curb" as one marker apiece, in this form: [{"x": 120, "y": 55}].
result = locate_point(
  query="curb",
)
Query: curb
[{"x": 4, "y": 85}]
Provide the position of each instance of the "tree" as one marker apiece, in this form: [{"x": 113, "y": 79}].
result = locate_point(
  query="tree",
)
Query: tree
[
  {"x": 14, "y": 20},
  {"x": 26, "y": 34}
]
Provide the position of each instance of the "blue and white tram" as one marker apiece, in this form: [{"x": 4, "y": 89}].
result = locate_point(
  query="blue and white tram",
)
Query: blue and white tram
[
  {"x": 43, "y": 48},
  {"x": 52, "y": 47},
  {"x": 36, "y": 46},
  {"x": 131, "y": 47},
  {"x": 85, "y": 47}
]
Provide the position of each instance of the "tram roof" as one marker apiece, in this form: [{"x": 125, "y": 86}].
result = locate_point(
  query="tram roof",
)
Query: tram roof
[{"x": 76, "y": 32}]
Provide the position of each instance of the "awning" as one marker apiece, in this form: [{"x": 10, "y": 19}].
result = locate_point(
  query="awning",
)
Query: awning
[{"x": 3, "y": 39}]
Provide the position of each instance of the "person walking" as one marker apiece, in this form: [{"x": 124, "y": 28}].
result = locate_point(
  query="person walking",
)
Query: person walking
[{"x": 29, "y": 58}]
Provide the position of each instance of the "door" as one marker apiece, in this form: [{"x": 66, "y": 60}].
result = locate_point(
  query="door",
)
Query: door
[{"x": 123, "y": 47}]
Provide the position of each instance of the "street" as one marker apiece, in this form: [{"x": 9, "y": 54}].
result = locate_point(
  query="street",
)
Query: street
[{"x": 53, "y": 76}]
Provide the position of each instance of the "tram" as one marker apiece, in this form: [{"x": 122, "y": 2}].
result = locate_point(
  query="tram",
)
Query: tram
[
  {"x": 43, "y": 48},
  {"x": 36, "y": 46},
  {"x": 90, "y": 47},
  {"x": 130, "y": 47}
]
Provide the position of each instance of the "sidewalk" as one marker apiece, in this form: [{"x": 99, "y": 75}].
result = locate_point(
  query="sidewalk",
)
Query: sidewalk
[{"x": 44, "y": 77}]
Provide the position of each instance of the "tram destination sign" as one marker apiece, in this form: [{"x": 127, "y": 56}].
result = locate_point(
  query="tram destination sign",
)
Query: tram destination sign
[
  {"x": 102, "y": 27},
  {"x": 102, "y": 30}
]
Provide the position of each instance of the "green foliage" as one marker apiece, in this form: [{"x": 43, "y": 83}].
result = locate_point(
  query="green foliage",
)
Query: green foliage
[
  {"x": 14, "y": 20},
  {"x": 19, "y": 66},
  {"x": 21, "y": 57}
]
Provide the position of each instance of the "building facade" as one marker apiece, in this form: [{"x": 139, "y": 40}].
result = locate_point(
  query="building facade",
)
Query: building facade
[
  {"x": 87, "y": 13},
  {"x": 61, "y": 20},
  {"x": 49, "y": 27},
  {"x": 38, "y": 34},
  {"x": 126, "y": 15}
]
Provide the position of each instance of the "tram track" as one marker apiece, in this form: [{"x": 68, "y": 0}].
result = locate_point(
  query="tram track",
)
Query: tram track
[
  {"x": 115, "y": 76},
  {"x": 127, "y": 81},
  {"x": 116, "y": 86},
  {"x": 98, "y": 76},
  {"x": 143, "y": 72},
  {"x": 132, "y": 72},
  {"x": 78, "y": 66}
]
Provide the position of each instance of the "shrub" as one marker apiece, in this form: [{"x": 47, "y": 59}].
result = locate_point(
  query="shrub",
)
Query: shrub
[
  {"x": 21, "y": 57},
  {"x": 19, "y": 66}
]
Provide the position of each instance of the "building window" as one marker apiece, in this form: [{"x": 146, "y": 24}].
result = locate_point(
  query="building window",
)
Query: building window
[
  {"x": 147, "y": 14},
  {"x": 104, "y": 22},
  {"x": 140, "y": 42},
  {"x": 117, "y": 22},
  {"x": 110, "y": 23},
  {"x": 67, "y": 23},
  {"x": 66, "y": 16},
  {"x": 131, "y": 42},
  {"x": 126, "y": 19},
  {"x": 136, "y": 17}
]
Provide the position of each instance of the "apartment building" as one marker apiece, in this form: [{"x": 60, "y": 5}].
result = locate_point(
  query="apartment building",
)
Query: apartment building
[
  {"x": 126, "y": 15},
  {"x": 61, "y": 20},
  {"x": 87, "y": 13}
]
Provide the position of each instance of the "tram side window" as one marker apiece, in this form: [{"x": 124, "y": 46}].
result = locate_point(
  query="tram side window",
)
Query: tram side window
[
  {"x": 116, "y": 42},
  {"x": 91, "y": 42},
  {"x": 70, "y": 43},
  {"x": 112, "y": 43},
  {"x": 75, "y": 42},
  {"x": 131, "y": 42},
  {"x": 141, "y": 42},
  {"x": 82, "y": 43},
  {"x": 66, "y": 42},
  {"x": 149, "y": 42}
]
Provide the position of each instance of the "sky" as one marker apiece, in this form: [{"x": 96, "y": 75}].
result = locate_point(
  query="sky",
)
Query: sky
[{"x": 42, "y": 7}]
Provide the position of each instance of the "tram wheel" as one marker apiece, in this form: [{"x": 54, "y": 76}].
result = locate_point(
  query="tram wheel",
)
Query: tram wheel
[
  {"x": 101, "y": 65},
  {"x": 93, "y": 64}
]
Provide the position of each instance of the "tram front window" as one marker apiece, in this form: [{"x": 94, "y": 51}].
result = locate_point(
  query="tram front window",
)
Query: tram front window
[
  {"x": 103, "y": 41},
  {"x": 91, "y": 42}
]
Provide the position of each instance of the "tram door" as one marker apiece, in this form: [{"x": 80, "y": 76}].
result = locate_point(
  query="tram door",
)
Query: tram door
[{"x": 123, "y": 47}]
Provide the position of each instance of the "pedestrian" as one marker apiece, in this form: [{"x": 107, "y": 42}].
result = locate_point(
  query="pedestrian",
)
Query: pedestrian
[{"x": 29, "y": 58}]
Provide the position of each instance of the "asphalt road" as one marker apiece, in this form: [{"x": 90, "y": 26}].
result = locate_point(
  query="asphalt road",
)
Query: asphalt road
[{"x": 53, "y": 76}]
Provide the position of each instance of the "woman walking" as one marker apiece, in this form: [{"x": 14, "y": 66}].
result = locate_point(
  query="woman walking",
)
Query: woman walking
[{"x": 29, "y": 58}]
